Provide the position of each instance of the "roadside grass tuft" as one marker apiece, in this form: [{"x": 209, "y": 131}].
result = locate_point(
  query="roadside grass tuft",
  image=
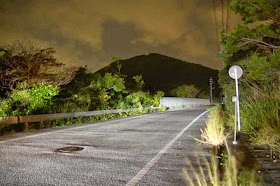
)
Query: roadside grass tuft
[
  {"x": 206, "y": 173},
  {"x": 214, "y": 133}
]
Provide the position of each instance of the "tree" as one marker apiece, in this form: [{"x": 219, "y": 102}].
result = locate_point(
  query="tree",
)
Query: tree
[
  {"x": 24, "y": 100},
  {"x": 82, "y": 78},
  {"x": 257, "y": 10},
  {"x": 26, "y": 62},
  {"x": 118, "y": 61},
  {"x": 254, "y": 45},
  {"x": 189, "y": 91},
  {"x": 260, "y": 33},
  {"x": 106, "y": 90},
  {"x": 139, "y": 81}
]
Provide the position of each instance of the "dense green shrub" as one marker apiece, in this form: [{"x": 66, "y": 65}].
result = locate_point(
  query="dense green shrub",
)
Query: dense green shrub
[
  {"x": 109, "y": 92},
  {"x": 189, "y": 91},
  {"x": 104, "y": 91},
  {"x": 4, "y": 108},
  {"x": 26, "y": 100},
  {"x": 156, "y": 98},
  {"x": 138, "y": 99}
]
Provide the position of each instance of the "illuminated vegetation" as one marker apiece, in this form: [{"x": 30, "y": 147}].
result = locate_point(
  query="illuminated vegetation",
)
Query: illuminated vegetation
[
  {"x": 232, "y": 176},
  {"x": 214, "y": 133},
  {"x": 189, "y": 91},
  {"x": 223, "y": 169},
  {"x": 33, "y": 82},
  {"x": 25, "y": 99},
  {"x": 255, "y": 46}
]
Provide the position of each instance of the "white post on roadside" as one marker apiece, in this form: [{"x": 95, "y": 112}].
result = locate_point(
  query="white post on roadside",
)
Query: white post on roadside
[
  {"x": 237, "y": 95},
  {"x": 235, "y": 72},
  {"x": 211, "y": 89},
  {"x": 234, "y": 99}
]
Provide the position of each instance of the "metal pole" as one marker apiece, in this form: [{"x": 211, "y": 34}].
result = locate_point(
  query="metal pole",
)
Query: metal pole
[
  {"x": 211, "y": 94},
  {"x": 235, "y": 123},
  {"x": 237, "y": 95}
]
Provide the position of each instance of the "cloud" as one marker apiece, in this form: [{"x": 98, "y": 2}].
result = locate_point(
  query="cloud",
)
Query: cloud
[{"x": 90, "y": 32}]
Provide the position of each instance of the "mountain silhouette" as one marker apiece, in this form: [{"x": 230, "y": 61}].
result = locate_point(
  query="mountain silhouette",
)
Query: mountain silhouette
[{"x": 164, "y": 73}]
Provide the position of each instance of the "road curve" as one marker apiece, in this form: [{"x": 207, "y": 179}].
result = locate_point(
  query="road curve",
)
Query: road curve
[{"x": 143, "y": 150}]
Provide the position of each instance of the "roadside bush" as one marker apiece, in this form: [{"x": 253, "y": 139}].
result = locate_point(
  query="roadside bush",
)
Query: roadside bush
[
  {"x": 25, "y": 100},
  {"x": 203, "y": 95},
  {"x": 189, "y": 91},
  {"x": 65, "y": 106},
  {"x": 4, "y": 107},
  {"x": 157, "y": 97},
  {"x": 138, "y": 99}
]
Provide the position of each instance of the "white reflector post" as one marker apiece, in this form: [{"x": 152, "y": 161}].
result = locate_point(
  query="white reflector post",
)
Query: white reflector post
[{"x": 235, "y": 72}]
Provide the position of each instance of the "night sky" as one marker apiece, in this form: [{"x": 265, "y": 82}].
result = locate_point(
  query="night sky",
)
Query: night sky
[{"x": 90, "y": 32}]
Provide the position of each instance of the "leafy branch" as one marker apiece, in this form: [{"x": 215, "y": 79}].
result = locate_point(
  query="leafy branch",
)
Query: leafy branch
[{"x": 259, "y": 43}]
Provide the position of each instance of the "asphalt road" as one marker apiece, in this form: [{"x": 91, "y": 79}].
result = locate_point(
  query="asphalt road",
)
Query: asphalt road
[{"x": 143, "y": 150}]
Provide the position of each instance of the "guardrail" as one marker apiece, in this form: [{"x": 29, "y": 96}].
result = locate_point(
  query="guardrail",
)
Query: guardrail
[
  {"x": 47, "y": 117},
  {"x": 176, "y": 102}
]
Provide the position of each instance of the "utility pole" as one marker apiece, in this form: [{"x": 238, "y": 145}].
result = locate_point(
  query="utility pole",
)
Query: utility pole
[{"x": 211, "y": 88}]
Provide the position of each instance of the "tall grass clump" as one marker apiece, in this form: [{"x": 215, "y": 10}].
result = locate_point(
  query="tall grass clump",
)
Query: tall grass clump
[
  {"x": 206, "y": 173},
  {"x": 214, "y": 133},
  {"x": 261, "y": 116}
]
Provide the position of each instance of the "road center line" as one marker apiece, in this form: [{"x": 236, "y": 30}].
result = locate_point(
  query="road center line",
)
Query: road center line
[{"x": 149, "y": 165}]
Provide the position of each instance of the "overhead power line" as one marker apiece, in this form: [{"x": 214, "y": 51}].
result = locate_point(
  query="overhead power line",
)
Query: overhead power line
[
  {"x": 222, "y": 13},
  {"x": 216, "y": 23},
  {"x": 192, "y": 11}
]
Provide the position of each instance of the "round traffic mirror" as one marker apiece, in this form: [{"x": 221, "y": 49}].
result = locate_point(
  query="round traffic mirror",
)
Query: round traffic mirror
[{"x": 235, "y": 72}]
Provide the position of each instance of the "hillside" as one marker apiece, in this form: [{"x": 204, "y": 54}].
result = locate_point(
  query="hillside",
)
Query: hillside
[{"x": 165, "y": 73}]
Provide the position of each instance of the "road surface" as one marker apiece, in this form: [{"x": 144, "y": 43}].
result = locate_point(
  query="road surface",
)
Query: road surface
[{"x": 139, "y": 150}]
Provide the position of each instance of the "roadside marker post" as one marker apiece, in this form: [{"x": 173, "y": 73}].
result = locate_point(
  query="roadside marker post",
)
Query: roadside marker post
[
  {"x": 234, "y": 99},
  {"x": 211, "y": 88},
  {"x": 235, "y": 72}
]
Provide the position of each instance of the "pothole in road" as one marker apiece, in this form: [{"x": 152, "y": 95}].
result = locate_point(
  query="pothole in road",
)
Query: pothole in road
[{"x": 69, "y": 149}]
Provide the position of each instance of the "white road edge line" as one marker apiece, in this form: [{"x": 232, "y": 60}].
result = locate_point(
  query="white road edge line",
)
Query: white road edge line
[
  {"x": 149, "y": 165},
  {"x": 89, "y": 125}
]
